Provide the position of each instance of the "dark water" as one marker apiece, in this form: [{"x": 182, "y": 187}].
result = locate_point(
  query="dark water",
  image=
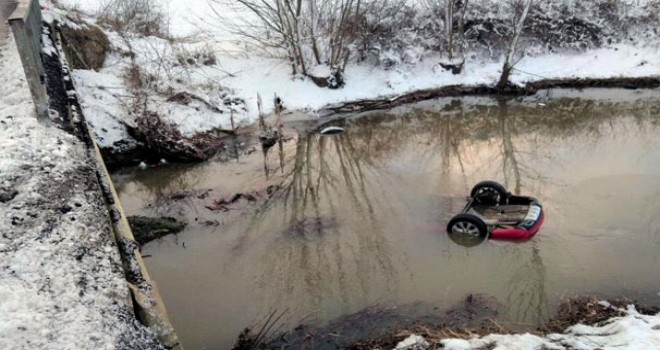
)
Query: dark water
[{"x": 359, "y": 217}]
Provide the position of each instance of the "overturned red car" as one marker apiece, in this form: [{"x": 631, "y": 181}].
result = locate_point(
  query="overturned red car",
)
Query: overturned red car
[{"x": 493, "y": 212}]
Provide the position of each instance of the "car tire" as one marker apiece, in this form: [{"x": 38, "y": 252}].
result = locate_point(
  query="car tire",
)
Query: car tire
[
  {"x": 494, "y": 193},
  {"x": 467, "y": 224}
]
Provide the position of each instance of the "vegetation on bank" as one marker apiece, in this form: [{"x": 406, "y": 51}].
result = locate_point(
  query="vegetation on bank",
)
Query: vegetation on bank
[
  {"x": 168, "y": 90},
  {"x": 586, "y": 310}
]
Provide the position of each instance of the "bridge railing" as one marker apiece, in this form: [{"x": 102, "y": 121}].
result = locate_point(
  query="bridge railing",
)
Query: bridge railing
[{"x": 26, "y": 24}]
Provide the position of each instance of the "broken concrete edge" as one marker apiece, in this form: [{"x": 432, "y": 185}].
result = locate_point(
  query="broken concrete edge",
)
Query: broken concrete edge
[
  {"x": 25, "y": 23},
  {"x": 22, "y": 10},
  {"x": 148, "y": 304}
]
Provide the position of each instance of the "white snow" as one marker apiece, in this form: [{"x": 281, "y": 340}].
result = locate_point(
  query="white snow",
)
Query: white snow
[
  {"x": 61, "y": 281},
  {"x": 455, "y": 344},
  {"x": 413, "y": 342},
  {"x": 633, "y": 331},
  {"x": 255, "y": 75},
  {"x": 103, "y": 96}
]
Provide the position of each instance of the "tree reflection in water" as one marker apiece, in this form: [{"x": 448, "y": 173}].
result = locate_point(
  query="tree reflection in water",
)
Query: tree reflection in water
[
  {"x": 359, "y": 217},
  {"x": 338, "y": 192}
]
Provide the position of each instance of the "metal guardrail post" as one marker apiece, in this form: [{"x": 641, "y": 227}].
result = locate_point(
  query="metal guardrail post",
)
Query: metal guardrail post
[{"x": 26, "y": 24}]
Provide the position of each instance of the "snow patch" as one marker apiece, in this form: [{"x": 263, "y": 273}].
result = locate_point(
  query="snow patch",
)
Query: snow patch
[
  {"x": 413, "y": 342},
  {"x": 632, "y": 331},
  {"x": 455, "y": 344}
]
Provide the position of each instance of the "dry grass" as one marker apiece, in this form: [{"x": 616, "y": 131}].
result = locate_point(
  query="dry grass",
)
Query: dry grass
[
  {"x": 85, "y": 47},
  {"x": 588, "y": 310},
  {"x": 432, "y": 335}
]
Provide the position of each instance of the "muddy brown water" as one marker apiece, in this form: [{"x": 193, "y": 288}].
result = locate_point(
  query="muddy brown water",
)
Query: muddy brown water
[{"x": 358, "y": 219}]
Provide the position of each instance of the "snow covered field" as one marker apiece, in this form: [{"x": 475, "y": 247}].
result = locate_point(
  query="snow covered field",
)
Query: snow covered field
[{"x": 61, "y": 281}]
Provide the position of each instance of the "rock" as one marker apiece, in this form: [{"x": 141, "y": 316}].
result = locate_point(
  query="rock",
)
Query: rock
[
  {"x": 6, "y": 196},
  {"x": 147, "y": 229},
  {"x": 332, "y": 79},
  {"x": 455, "y": 66}
]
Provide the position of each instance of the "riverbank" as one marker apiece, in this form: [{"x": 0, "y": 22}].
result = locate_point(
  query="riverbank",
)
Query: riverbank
[
  {"x": 368, "y": 88},
  {"x": 62, "y": 284},
  {"x": 209, "y": 84},
  {"x": 583, "y": 323}
]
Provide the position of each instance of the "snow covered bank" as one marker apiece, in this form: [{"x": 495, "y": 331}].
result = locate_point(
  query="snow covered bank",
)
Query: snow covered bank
[
  {"x": 632, "y": 331},
  {"x": 62, "y": 285},
  {"x": 255, "y": 76},
  {"x": 577, "y": 40}
]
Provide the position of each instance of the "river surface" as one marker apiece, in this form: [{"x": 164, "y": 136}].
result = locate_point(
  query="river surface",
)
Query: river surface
[{"x": 357, "y": 219}]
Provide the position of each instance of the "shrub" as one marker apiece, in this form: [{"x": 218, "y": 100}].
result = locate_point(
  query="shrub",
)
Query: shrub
[{"x": 144, "y": 17}]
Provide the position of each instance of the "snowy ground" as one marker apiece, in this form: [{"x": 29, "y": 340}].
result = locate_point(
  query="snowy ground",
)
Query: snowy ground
[
  {"x": 61, "y": 281},
  {"x": 630, "y": 332},
  {"x": 267, "y": 77}
]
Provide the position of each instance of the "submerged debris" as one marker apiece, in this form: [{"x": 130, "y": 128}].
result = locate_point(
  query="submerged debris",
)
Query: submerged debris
[
  {"x": 331, "y": 130},
  {"x": 251, "y": 197},
  {"x": 147, "y": 229}
]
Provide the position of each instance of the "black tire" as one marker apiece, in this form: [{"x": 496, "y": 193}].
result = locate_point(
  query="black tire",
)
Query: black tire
[
  {"x": 490, "y": 193},
  {"x": 467, "y": 225}
]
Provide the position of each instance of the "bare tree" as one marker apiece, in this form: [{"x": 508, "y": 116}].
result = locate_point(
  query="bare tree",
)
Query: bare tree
[
  {"x": 509, "y": 60},
  {"x": 307, "y": 33},
  {"x": 454, "y": 24}
]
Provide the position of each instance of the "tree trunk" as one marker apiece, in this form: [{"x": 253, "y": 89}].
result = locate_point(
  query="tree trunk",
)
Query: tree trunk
[
  {"x": 312, "y": 31},
  {"x": 504, "y": 78},
  {"x": 508, "y": 62},
  {"x": 449, "y": 22}
]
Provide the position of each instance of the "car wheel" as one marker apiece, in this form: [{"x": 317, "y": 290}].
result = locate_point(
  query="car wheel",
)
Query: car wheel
[
  {"x": 467, "y": 225},
  {"x": 489, "y": 193}
]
